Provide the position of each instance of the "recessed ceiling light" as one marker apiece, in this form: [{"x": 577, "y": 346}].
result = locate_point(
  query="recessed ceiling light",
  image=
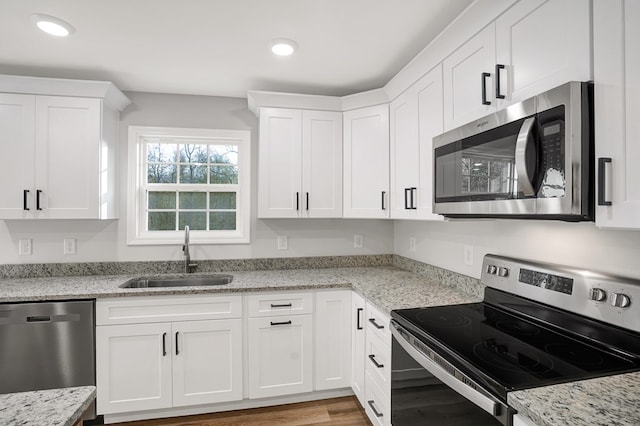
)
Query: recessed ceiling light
[
  {"x": 52, "y": 25},
  {"x": 283, "y": 46}
]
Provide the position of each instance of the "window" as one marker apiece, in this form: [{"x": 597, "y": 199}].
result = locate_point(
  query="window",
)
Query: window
[{"x": 195, "y": 177}]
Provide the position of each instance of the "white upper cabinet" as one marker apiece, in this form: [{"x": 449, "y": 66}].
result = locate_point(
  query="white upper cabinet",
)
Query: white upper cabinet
[
  {"x": 415, "y": 118},
  {"x": 300, "y": 163},
  {"x": 366, "y": 162},
  {"x": 617, "y": 108},
  {"x": 534, "y": 46},
  {"x": 542, "y": 44},
  {"x": 60, "y": 150}
]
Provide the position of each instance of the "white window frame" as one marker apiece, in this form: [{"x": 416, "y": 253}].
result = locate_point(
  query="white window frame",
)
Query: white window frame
[{"x": 136, "y": 208}]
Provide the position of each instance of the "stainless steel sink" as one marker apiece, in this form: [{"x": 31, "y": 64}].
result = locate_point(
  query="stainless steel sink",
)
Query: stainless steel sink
[{"x": 208, "y": 280}]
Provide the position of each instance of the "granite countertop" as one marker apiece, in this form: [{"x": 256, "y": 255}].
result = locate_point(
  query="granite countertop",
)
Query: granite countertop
[
  {"x": 53, "y": 407},
  {"x": 387, "y": 287}
]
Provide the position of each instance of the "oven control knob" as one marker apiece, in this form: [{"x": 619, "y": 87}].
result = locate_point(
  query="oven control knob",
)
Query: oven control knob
[
  {"x": 620, "y": 300},
  {"x": 491, "y": 269},
  {"x": 503, "y": 272},
  {"x": 598, "y": 294}
]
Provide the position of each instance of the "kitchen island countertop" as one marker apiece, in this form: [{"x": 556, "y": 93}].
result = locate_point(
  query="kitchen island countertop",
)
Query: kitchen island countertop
[{"x": 52, "y": 407}]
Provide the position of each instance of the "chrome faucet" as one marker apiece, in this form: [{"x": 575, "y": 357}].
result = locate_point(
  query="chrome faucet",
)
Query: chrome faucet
[{"x": 188, "y": 266}]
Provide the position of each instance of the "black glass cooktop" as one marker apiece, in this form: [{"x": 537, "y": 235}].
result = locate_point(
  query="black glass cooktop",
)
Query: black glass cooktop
[{"x": 508, "y": 352}]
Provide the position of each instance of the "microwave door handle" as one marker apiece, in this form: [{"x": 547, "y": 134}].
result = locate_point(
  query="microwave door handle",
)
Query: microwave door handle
[
  {"x": 521, "y": 159},
  {"x": 487, "y": 404}
]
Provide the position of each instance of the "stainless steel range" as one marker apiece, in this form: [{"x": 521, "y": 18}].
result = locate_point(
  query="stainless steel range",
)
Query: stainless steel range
[{"x": 539, "y": 324}]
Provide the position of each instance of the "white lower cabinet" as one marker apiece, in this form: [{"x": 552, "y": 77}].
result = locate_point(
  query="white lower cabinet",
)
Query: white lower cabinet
[
  {"x": 377, "y": 403},
  {"x": 520, "y": 420},
  {"x": 358, "y": 346},
  {"x": 332, "y": 339},
  {"x": 377, "y": 366},
  {"x": 152, "y": 365}
]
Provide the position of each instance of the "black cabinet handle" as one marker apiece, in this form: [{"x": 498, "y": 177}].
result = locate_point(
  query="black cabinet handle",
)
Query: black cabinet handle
[
  {"x": 39, "y": 318},
  {"x": 375, "y": 324},
  {"x": 282, "y": 305},
  {"x": 38, "y": 192},
  {"x": 281, "y": 323},
  {"x": 413, "y": 204},
  {"x": 373, "y": 407},
  {"x": 383, "y": 194},
  {"x": 406, "y": 198},
  {"x": 602, "y": 165},
  {"x": 376, "y": 363},
  {"x": 498, "y": 94},
  {"x": 25, "y": 198},
  {"x": 358, "y": 312},
  {"x": 177, "y": 350},
  {"x": 164, "y": 344},
  {"x": 307, "y": 201},
  {"x": 297, "y": 201},
  {"x": 484, "y": 88}
]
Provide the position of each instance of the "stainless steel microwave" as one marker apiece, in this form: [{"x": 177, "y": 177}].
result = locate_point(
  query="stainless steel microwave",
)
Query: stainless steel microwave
[{"x": 533, "y": 159}]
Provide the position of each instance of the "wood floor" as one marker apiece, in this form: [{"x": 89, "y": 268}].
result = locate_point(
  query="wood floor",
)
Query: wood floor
[{"x": 344, "y": 411}]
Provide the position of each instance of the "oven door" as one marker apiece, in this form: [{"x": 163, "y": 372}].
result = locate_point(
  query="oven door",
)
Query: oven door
[{"x": 425, "y": 389}]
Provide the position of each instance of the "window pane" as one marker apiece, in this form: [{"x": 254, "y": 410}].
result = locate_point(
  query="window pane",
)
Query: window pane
[
  {"x": 464, "y": 187},
  {"x": 223, "y": 154},
  {"x": 479, "y": 184},
  {"x": 162, "y": 221},
  {"x": 161, "y": 173},
  {"x": 162, "y": 152},
  {"x": 193, "y": 174},
  {"x": 162, "y": 200},
  {"x": 480, "y": 167},
  {"x": 195, "y": 220},
  {"x": 224, "y": 174},
  {"x": 222, "y": 221},
  {"x": 191, "y": 153},
  {"x": 222, "y": 200},
  {"x": 193, "y": 200},
  {"x": 465, "y": 166}
]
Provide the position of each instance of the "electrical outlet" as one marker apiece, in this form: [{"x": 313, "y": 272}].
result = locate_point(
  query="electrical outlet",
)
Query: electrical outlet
[
  {"x": 468, "y": 255},
  {"x": 358, "y": 241},
  {"x": 283, "y": 242},
  {"x": 24, "y": 247},
  {"x": 412, "y": 243},
  {"x": 69, "y": 245}
]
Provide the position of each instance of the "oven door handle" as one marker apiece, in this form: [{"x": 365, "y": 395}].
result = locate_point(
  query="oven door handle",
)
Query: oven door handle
[
  {"x": 489, "y": 405},
  {"x": 521, "y": 157}
]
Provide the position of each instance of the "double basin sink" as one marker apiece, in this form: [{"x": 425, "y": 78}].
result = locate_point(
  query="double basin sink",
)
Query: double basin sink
[{"x": 188, "y": 281}]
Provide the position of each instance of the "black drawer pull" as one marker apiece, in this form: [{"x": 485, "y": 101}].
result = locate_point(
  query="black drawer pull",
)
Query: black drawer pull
[
  {"x": 375, "y": 324},
  {"x": 25, "y": 197},
  {"x": 164, "y": 344},
  {"x": 484, "y": 88},
  {"x": 283, "y": 305},
  {"x": 602, "y": 199},
  {"x": 498, "y": 94},
  {"x": 383, "y": 194},
  {"x": 297, "y": 201},
  {"x": 307, "y": 201},
  {"x": 281, "y": 323},
  {"x": 373, "y": 407},
  {"x": 376, "y": 363},
  {"x": 177, "y": 350},
  {"x": 413, "y": 201},
  {"x": 358, "y": 312},
  {"x": 38, "y": 192}
]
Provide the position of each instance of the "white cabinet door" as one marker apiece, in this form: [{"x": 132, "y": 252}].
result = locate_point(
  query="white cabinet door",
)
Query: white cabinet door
[
  {"x": 207, "y": 362},
  {"x": 133, "y": 367},
  {"x": 280, "y": 355},
  {"x": 333, "y": 339},
  {"x": 280, "y": 163},
  {"x": 366, "y": 162},
  {"x": 404, "y": 142},
  {"x": 358, "y": 346},
  {"x": 17, "y": 149},
  {"x": 542, "y": 44},
  {"x": 321, "y": 164},
  {"x": 617, "y": 108},
  {"x": 464, "y": 97},
  {"x": 67, "y": 162}
]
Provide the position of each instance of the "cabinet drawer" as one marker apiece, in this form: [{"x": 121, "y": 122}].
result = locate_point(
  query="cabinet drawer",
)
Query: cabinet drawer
[
  {"x": 378, "y": 362},
  {"x": 268, "y": 305},
  {"x": 136, "y": 310},
  {"x": 378, "y": 324},
  {"x": 377, "y": 404}
]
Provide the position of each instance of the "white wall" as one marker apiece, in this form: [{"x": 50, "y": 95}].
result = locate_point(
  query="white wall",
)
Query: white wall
[
  {"x": 576, "y": 244},
  {"x": 99, "y": 241}
]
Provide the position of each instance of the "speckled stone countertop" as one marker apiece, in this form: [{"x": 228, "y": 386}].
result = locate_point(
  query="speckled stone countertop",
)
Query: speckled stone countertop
[
  {"x": 606, "y": 401},
  {"x": 53, "y": 407},
  {"x": 388, "y": 287}
]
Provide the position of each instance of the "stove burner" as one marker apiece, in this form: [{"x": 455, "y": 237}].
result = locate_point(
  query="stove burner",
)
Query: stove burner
[
  {"x": 518, "y": 327},
  {"x": 444, "y": 319},
  {"x": 581, "y": 356},
  {"x": 512, "y": 358}
]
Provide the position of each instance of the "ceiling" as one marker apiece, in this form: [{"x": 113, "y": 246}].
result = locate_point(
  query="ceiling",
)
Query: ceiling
[{"x": 220, "y": 47}]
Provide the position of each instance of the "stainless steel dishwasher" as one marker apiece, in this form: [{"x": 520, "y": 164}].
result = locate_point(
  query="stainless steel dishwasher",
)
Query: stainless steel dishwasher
[{"x": 46, "y": 345}]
